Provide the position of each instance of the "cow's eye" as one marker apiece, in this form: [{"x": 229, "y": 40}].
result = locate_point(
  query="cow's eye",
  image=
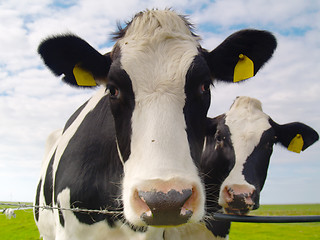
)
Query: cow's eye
[
  {"x": 114, "y": 91},
  {"x": 205, "y": 87},
  {"x": 218, "y": 137}
]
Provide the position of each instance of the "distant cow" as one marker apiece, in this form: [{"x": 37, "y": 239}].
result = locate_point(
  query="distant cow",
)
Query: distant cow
[
  {"x": 237, "y": 153},
  {"x": 9, "y": 212},
  {"x": 134, "y": 147}
]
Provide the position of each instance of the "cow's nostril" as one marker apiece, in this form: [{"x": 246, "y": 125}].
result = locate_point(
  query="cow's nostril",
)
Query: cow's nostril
[
  {"x": 171, "y": 208},
  {"x": 228, "y": 194}
]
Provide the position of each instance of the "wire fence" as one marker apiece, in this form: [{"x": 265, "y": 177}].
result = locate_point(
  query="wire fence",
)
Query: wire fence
[{"x": 9, "y": 212}]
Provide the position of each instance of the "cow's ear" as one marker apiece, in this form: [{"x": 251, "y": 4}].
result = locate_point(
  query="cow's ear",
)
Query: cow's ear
[
  {"x": 295, "y": 136},
  {"x": 241, "y": 55},
  {"x": 73, "y": 57}
]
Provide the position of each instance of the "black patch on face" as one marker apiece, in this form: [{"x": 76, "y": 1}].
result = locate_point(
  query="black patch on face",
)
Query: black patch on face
[
  {"x": 197, "y": 90},
  {"x": 37, "y": 201},
  {"x": 256, "y": 166},
  {"x": 218, "y": 158},
  {"x": 48, "y": 183},
  {"x": 90, "y": 166},
  {"x": 217, "y": 161},
  {"x": 122, "y": 105}
]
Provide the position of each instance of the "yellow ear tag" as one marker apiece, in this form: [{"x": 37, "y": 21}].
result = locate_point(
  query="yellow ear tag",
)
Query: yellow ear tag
[
  {"x": 83, "y": 77},
  {"x": 296, "y": 144},
  {"x": 244, "y": 69}
]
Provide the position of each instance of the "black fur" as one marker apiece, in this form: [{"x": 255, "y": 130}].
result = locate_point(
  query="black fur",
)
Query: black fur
[
  {"x": 37, "y": 201},
  {"x": 122, "y": 106},
  {"x": 48, "y": 183},
  {"x": 197, "y": 105},
  {"x": 90, "y": 166},
  {"x": 61, "y": 218},
  {"x": 256, "y": 166},
  {"x": 217, "y": 161},
  {"x": 74, "y": 116}
]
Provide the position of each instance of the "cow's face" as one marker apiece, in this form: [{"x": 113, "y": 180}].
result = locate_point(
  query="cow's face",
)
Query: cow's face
[
  {"x": 252, "y": 139},
  {"x": 158, "y": 79},
  {"x": 243, "y": 141},
  {"x": 166, "y": 80}
]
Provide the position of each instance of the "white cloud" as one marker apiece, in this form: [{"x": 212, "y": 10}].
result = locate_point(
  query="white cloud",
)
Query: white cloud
[{"x": 278, "y": 14}]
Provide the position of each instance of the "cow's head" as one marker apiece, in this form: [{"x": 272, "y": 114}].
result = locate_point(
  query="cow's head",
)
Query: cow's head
[
  {"x": 239, "y": 150},
  {"x": 158, "y": 78}
]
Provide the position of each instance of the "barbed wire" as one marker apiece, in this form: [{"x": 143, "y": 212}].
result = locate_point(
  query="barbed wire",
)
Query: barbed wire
[
  {"x": 21, "y": 206},
  {"x": 9, "y": 212}
]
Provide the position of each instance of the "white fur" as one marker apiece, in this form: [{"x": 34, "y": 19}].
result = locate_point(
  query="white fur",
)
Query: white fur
[
  {"x": 9, "y": 213},
  {"x": 246, "y": 122},
  {"x": 97, "y": 231},
  {"x": 46, "y": 223},
  {"x": 190, "y": 231},
  {"x": 157, "y": 59}
]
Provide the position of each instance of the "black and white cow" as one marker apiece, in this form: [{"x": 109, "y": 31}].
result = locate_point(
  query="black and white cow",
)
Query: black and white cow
[
  {"x": 237, "y": 153},
  {"x": 135, "y": 146}
]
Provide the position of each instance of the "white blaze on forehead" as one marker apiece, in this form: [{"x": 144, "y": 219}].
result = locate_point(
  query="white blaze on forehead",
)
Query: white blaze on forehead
[
  {"x": 156, "y": 52},
  {"x": 247, "y": 122}
]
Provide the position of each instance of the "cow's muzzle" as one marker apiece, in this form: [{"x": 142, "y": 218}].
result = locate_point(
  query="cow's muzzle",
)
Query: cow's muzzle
[
  {"x": 169, "y": 208},
  {"x": 238, "y": 199}
]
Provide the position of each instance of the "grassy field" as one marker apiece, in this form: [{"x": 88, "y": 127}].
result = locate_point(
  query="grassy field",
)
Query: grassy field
[
  {"x": 277, "y": 231},
  {"x": 23, "y": 227}
]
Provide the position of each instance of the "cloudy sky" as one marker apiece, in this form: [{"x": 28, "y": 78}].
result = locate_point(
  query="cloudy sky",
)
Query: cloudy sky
[{"x": 33, "y": 102}]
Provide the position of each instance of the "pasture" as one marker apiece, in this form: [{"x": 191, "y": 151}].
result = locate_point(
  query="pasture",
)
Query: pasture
[{"x": 23, "y": 226}]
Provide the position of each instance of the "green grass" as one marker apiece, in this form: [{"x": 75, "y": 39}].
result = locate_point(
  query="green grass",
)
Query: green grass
[
  {"x": 277, "y": 231},
  {"x": 23, "y": 226}
]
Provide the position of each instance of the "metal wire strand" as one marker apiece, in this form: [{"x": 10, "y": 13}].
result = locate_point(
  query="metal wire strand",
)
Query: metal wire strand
[
  {"x": 216, "y": 216},
  {"x": 27, "y": 206}
]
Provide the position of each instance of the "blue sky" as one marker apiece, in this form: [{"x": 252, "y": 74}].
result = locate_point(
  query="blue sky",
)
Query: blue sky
[{"x": 33, "y": 102}]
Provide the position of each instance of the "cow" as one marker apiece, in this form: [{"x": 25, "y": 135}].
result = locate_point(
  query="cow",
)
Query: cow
[
  {"x": 134, "y": 148},
  {"x": 236, "y": 157},
  {"x": 9, "y": 212}
]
